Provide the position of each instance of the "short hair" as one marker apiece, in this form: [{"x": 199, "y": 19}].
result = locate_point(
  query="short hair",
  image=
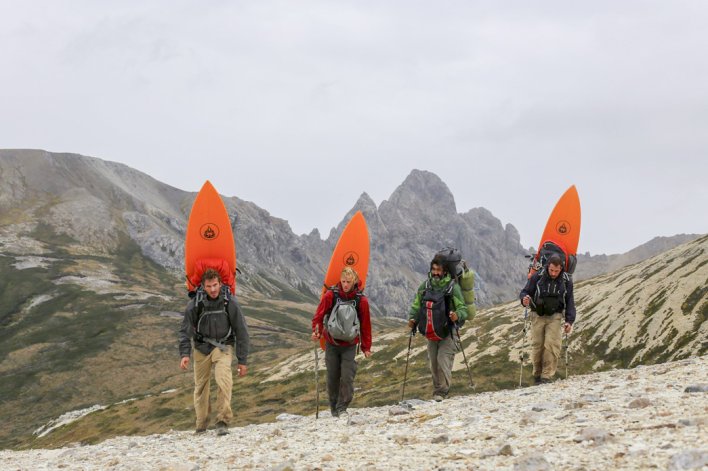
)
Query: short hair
[
  {"x": 349, "y": 272},
  {"x": 441, "y": 261},
  {"x": 210, "y": 274},
  {"x": 555, "y": 260}
]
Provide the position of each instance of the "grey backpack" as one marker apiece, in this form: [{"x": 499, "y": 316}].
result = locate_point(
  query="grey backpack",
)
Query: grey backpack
[{"x": 343, "y": 320}]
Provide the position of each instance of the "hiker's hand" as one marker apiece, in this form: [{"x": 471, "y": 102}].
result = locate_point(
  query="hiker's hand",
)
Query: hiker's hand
[
  {"x": 184, "y": 363},
  {"x": 453, "y": 316},
  {"x": 526, "y": 300},
  {"x": 411, "y": 324},
  {"x": 367, "y": 354},
  {"x": 315, "y": 336},
  {"x": 242, "y": 370},
  {"x": 568, "y": 328}
]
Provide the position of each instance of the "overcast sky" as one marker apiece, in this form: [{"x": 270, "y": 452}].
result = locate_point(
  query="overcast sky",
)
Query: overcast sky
[{"x": 300, "y": 106}]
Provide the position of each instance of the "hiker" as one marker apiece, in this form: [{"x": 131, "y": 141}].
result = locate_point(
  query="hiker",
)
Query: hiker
[
  {"x": 549, "y": 292},
  {"x": 213, "y": 320},
  {"x": 437, "y": 306},
  {"x": 341, "y": 346}
]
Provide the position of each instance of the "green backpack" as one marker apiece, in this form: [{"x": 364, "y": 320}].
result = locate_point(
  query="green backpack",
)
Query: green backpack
[{"x": 466, "y": 281}]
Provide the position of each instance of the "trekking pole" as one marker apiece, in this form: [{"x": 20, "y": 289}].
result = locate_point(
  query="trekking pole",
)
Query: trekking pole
[
  {"x": 469, "y": 372},
  {"x": 317, "y": 379},
  {"x": 408, "y": 355},
  {"x": 523, "y": 344},
  {"x": 566, "y": 355}
]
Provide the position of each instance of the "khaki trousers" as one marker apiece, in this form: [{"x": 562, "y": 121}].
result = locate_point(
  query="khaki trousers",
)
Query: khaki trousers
[
  {"x": 441, "y": 356},
  {"x": 546, "y": 338},
  {"x": 202, "y": 381}
]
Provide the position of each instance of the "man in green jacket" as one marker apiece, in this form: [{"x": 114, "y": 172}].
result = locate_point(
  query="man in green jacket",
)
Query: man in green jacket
[{"x": 437, "y": 307}]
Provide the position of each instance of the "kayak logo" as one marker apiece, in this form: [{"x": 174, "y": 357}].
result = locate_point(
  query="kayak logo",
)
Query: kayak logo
[
  {"x": 563, "y": 227},
  {"x": 209, "y": 231},
  {"x": 351, "y": 258}
]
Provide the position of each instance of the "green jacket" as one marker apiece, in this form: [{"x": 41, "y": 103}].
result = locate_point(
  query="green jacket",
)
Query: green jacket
[{"x": 458, "y": 301}]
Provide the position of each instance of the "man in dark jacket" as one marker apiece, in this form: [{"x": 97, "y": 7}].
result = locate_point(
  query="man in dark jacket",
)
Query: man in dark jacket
[
  {"x": 214, "y": 322},
  {"x": 438, "y": 303},
  {"x": 340, "y": 353},
  {"x": 550, "y": 294}
]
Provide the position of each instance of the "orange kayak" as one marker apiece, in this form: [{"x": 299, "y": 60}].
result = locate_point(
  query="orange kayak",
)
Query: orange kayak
[{"x": 209, "y": 242}]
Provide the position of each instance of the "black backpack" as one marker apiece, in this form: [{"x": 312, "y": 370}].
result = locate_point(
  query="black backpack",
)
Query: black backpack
[
  {"x": 199, "y": 297},
  {"x": 454, "y": 264},
  {"x": 462, "y": 275},
  {"x": 549, "y": 248},
  {"x": 433, "y": 320},
  {"x": 549, "y": 297}
]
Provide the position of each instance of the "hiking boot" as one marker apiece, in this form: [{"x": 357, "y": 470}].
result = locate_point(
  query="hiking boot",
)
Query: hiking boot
[
  {"x": 335, "y": 412},
  {"x": 199, "y": 431},
  {"x": 536, "y": 380},
  {"x": 546, "y": 380},
  {"x": 221, "y": 428},
  {"x": 438, "y": 398},
  {"x": 343, "y": 414}
]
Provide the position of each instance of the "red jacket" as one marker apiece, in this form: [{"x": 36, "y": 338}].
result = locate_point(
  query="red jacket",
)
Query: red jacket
[{"x": 325, "y": 307}]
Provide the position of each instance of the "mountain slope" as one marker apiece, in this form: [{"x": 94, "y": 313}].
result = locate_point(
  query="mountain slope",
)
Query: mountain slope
[
  {"x": 91, "y": 293},
  {"x": 593, "y": 265},
  {"x": 638, "y": 419},
  {"x": 95, "y": 203},
  {"x": 654, "y": 328}
]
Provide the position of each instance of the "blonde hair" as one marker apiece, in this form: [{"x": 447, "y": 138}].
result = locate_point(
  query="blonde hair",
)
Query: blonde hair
[{"x": 349, "y": 272}]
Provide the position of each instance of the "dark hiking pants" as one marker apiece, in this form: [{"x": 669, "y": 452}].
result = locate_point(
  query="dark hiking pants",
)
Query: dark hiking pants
[{"x": 341, "y": 369}]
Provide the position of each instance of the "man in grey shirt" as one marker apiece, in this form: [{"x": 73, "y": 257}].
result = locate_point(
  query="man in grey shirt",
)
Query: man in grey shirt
[{"x": 214, "y": 322}]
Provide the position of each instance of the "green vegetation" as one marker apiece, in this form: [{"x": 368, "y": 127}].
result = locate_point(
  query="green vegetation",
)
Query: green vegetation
[
  {"x": 655, "y": 303},
  {"x": 694, "y": 298}
]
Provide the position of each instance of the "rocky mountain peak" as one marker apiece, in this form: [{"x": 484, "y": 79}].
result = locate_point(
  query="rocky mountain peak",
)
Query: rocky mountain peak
[
  {"x": 368, "y": 208},
  {"x": 421, "y": 191},
  {"x": 365, "y": 203}
]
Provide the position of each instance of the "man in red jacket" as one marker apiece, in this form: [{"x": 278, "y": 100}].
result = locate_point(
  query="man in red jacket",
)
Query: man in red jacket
[{"x": 343, "y": 317}]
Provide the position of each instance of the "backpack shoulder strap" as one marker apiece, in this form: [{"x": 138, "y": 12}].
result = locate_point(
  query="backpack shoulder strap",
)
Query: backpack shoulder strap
[
  {"x": 226, "y": 292},
  {"x": 199, "y": 304},
  {"x": 428, "y": 285},
  {"x": 357, "y": 300},
  {"x": 565, "y": 279}
]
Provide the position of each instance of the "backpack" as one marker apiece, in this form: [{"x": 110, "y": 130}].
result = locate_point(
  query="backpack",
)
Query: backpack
[
  {"x": 464, "y": 276},
  {"x": 433, "y": 320},
  {"x": 549, "y": 297},
  {"x": 342, "y": 322},
  {"x": 203, "y": 318},
  {"x": 549, "y": 248}
]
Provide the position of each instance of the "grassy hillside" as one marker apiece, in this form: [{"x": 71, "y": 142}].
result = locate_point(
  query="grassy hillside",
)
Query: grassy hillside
[{"x": 81, "y": 331}]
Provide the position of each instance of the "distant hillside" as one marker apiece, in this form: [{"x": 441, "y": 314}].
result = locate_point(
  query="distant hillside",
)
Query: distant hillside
[{"x": 594, "y": 265}]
